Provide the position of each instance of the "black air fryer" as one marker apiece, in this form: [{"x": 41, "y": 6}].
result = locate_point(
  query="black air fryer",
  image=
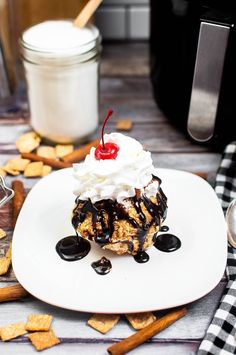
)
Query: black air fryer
[{"x": 193, "y": 65}]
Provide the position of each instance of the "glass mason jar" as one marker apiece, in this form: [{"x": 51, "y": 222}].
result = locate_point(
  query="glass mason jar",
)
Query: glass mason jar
[{"x": 62, "y": 82}]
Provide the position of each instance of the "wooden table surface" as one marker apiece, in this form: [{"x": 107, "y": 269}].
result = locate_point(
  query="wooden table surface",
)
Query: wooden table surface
[{"x": 125, "y": 87}]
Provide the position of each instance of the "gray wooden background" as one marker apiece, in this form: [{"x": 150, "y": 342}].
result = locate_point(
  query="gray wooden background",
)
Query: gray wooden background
[{"x": 126, "y": 88}]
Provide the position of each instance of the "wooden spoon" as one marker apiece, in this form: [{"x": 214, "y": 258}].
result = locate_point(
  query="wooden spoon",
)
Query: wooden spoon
[{"x": 86, "y": 13}]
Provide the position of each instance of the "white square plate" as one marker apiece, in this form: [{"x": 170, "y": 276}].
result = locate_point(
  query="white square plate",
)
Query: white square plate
[{"x": 167, "y": 280}]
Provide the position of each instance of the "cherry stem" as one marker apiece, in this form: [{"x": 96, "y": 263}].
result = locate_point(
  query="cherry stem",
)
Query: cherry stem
[{"x": 109, "y": 113}]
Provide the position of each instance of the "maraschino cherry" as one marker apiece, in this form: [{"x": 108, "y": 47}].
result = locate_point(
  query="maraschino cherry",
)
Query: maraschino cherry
[{"x": 106, "y": 150}]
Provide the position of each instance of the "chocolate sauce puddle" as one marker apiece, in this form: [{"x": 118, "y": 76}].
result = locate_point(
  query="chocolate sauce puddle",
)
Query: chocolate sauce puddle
[
  {"x": 73, "y": 248},
  {"x": 167, "y": 242},
  {"x": 141, "y": 257},
  {"x": 102, "y": 266}
]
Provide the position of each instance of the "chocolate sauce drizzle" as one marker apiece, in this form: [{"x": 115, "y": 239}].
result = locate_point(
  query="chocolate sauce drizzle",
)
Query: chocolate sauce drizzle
[
  {"x": 164, "y": 229},
  {"x": 73, "y": 248},
  {"x": 102, "y": 266},
  {"x": 116, "y": 211}
]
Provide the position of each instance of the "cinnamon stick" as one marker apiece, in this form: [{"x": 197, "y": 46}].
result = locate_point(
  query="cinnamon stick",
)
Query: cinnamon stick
[
  {"x": 79, "y": 154},
  {"x": 201, "y": 174},
  {"x": 56, "y": 164},
  {"x": 146, "y": 333},
  {"x": 18, "y": 199},
  {"x": 12, "y": 293}
]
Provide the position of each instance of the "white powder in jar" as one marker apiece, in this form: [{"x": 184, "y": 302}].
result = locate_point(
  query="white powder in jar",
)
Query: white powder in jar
[
  {"x": 58, "y": 35},
  {"x": 61, "y": 66}
]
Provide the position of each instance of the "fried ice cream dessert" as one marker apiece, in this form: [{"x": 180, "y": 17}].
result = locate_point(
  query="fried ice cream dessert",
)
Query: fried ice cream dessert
[{"x": 119, "y": 205}]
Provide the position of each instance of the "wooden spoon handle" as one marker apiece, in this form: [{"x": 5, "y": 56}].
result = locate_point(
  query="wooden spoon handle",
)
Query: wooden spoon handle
[{"x": 86, "y": 13}]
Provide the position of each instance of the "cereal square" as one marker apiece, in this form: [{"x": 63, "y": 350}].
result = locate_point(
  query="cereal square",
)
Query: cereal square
[
  {"x": 43, "y": 340},
  {"x": 18, "y": 164},
  {"x": 62, "y": 150},
  {"x": 46, "y": 170},
  {"x": 47, "y": 152},
  {"x": 4, "y": 265},
  {"x": 28, "y": 142},
  {"x": 103, "y": 322},
  {"x": 34, "y": 169},
  {"x": 38, "y": 322},
  {"x": 13, "y": 331},
  {"x": 140, "y": 320},
  {"x": 8, "y": 169},
  {"x": 5, "y": 262}
]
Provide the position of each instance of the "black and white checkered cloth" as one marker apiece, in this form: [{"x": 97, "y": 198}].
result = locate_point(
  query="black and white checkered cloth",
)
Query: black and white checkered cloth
[{"x": 220, "y": 336}]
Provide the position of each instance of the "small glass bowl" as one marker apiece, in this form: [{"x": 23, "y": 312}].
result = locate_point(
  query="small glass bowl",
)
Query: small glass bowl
[{"x": 6, "y": 193}]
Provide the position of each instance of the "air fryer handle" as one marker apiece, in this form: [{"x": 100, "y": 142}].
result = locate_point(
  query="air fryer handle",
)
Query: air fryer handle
[{"x": 209, "y": 64}]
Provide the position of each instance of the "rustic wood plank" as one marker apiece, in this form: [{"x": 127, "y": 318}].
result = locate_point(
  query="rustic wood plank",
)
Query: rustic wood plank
[
  {"x": 207, "y": 163},
  {"x": 130, "y": 95},
  {"x": 9, "y": 133},
  {"x": 161, "y": 137},
  {"x": 126, "y": 59},
  {"x": 72, "y": 325},
  {"x": 123, "y": 94},
  {"x": 143, "y": 110},
  {"x": 4, "y": 244},
  {"x": 20, "y": 347},
  {"x": 6, "y": 42},
  {"x": 126, "y": 88},
  {"x": 6, "y": 220},
  {"x": 156, "y": 137}
]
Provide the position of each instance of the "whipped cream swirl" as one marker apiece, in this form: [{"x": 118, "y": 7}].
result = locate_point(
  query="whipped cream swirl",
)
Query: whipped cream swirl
[{"x": 118, "y": 178}]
